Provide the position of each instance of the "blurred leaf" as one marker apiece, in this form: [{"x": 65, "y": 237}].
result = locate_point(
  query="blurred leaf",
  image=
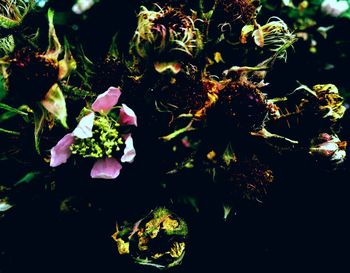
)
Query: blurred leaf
[
  {"x": 189, "y": 200},
  {"x": 27, "y": 178},
  {"x": 4, "y": 205},
  {"x": 2, "y": 88},
  {"x": 55, "y": 103},
  {"x": 227, "y": 211}
]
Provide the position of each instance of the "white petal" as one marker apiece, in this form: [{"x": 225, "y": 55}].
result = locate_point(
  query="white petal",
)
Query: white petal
[{"x": 84, "y": 128}]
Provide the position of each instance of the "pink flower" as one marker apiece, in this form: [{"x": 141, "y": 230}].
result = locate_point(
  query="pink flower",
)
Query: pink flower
[{"x": 106, "y": 167}]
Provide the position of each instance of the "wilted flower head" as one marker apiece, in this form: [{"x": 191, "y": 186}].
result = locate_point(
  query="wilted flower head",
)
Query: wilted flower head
[
  {"x": 108, "y": 72},
  {"x": 157, "y": 240},
  {"x": 100, "y": 135},
  {"x": 328, "y": 147},
  {"x": 249, "y": 179},
  {"x": 233, "y": 11},
  {"x": 183, "y": 93},
  {"x": 12, "y": 12},
  {"x": 325, "y": 101},
  {"x": 241, "y": 104},
  {"x": 166, "y": 35},
  {"x": 39, "y": 73},
  {"x": 274, "y": 35},
  {"x": 334, "y": 8}
]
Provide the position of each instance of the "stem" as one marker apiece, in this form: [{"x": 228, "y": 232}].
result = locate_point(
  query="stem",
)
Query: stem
[
  {"x": 11, "y": 109},
  {"x": 178, "y": 132},
  {"x": 9, "y": 132}
]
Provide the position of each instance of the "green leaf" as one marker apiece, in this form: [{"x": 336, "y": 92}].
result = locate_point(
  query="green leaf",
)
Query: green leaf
[
  {"x": 7, "y": 22},
  {"x": 39, "y": 123},
  {"x": 27, "y": 178},
  {"x": 54, "y": 48},
  {"x": 55, "y": 103},
  {"x": 68, "y": 63}
]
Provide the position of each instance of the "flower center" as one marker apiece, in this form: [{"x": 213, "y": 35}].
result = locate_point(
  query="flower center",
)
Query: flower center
[{"x": 105, "y": 141}]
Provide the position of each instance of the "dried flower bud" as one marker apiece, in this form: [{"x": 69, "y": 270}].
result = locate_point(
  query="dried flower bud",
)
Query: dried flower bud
[
  {"x": 330, "y": 102},
  {"x": 156, "y": 240},
  {"x": 328, "y": 147},
  {"x": 167, "y": 35}
]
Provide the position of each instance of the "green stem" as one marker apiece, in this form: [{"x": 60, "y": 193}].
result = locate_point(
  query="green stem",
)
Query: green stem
[
  {"x": 9, "y": 132},
  {"x": 178, "y": 132},
  {"x": 11, "y": 109}
]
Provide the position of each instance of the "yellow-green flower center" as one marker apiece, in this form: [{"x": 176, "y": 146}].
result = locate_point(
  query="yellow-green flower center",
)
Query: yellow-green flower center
[{"x": 105, "y": 141}]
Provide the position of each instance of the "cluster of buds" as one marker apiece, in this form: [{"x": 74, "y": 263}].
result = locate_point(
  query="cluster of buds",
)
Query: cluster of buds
[{"x": 157, "y": 240}]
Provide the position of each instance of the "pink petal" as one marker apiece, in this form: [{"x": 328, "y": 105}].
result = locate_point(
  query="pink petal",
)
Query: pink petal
[
  {"x": 107, "y": 100},
  {"x": 61, "y": 152},
  {"x": 84, "y": 128},
  {"x": 106, "y": 168},
  {"x": 129, "y": 151},
  {"x": 127, "y": 116}
]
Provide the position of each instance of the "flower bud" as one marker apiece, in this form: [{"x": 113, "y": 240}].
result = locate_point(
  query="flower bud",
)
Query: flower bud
[{"x": 328, "y": 147}]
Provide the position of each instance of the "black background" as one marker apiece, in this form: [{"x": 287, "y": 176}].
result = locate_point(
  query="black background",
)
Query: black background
[{"x": 302, "y": 226}]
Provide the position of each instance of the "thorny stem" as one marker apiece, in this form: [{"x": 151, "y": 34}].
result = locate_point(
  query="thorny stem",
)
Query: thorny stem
[{"x": 267, "y": 135}]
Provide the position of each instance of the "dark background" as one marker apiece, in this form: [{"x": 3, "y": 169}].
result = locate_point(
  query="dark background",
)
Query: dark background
[{"x": 302, "y": 226}]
